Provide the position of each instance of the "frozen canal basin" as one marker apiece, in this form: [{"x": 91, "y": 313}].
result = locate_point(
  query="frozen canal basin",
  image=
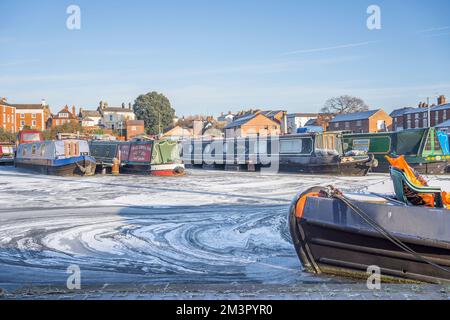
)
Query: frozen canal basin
[{"x": 209, "y": 234}]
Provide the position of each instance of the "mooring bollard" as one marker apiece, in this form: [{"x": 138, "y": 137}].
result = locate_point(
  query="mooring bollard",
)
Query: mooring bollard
[{"x": 115, "y": 167}]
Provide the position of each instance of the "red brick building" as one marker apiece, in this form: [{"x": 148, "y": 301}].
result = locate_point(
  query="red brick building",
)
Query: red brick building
[
  {"x": 34, "y": 116},
  {"x": 134, "y": 128},
  {"x": 362, "y": 122},
  {"x": 423, "y": 116},
  {"x": 64, "y": 116},
  {"x": 7, "y": 116}
]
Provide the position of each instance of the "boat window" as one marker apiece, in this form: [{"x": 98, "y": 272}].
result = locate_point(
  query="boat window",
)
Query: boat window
[
  {"x": 299, "y": 146},
  {"x": 31, "y": 137},
  {"x": 328, "y": 144}
]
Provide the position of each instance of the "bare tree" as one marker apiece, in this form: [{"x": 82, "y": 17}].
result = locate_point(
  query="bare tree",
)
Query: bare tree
[{"x": 344, "y": 104}]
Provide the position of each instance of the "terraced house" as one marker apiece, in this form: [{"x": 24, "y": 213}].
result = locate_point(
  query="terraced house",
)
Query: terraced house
[
  {"x": 7, "y": 116},
  {"x": 34, "y": 116},
  {"x": 423, "y": 116},
  {"x": 362, "y": 122}
]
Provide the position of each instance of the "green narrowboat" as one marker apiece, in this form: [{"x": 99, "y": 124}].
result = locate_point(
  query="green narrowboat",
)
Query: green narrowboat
[{"x": 421, "y": 148}]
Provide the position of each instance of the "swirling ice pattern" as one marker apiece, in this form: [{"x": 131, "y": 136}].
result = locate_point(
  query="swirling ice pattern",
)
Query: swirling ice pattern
[{"x": 155, "y": 245}]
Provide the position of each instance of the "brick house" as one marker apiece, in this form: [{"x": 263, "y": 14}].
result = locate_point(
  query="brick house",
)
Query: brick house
[
  {"x": 35, "y": 116},
  {"x": 134, "y": 128},
  {"x": 7, "y": 116},
  {"x": 397, "y": 118},
  {"x": 64, "y": 116},
  {"x": 362, "y": 122},
  {"x": 423, "y": 116},
  {"x": 253, "y": 124}
]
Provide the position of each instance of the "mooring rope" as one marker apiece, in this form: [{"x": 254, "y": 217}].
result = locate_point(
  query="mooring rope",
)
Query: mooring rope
[{"x": 335, "y": 193}]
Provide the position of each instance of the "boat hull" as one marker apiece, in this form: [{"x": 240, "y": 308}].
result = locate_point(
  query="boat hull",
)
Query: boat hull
[
  {"x": 155, "y": 170},
  {"x": 438, "y": 167},
  {"x": 64, "y": 167},
  {"x": 332, "y": 167},
  {"x": 331, "y": 238}
]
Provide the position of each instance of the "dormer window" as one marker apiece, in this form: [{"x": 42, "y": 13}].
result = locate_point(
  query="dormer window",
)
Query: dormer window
[{"x": 63, "y": 115}]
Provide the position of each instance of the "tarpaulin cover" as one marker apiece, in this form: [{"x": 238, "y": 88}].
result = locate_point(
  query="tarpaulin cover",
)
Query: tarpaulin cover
[
  {"x": 443, "y": 140},
  {"x": 408, "y": 142}
]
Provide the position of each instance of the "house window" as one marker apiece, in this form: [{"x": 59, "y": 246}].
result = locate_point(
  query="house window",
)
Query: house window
[
  {"x": 336, "y": 125},
  {"x": 408, "y": 116},
  {"x": 381, "y": 125},
  {"x": 424, "y": 123},
  {"x": 22, "y": 123},
  {"x": 359, "y": 123},
  {"x": 4, "y": 118},
  {"x": 416, "y": 123},
  {"x": 33, "y": 115},
  {"x": 63, "y": 115},
  {"x": 436, "y": 117},
  {"x": 347, "y": 125},
  {"x": 22, "y": 116},
  {"x": 416, "y": 116},
  {"x": 33, "y": 123},
  {"x": 395, "y": 120},
  {"x": 133, "y": 128},
  {"x": 444, "y": 115},
  {"x": 408, "y": 124},
  {"x": 110, "y": 117}
]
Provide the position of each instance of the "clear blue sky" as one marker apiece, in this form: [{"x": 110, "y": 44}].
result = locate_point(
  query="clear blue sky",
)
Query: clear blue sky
[{"x": 211, "y": 56}]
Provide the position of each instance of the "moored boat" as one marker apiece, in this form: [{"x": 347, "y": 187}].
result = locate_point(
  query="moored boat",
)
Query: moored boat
[
  {"x": 308, "y": 153},
  {"x": 422, "y": 148},
  {"x": 60, "y": 157},
  {"x": 344, "y": 234},
  {"x": 6, "y": 154},
  {"x": 154, "y": 157}
]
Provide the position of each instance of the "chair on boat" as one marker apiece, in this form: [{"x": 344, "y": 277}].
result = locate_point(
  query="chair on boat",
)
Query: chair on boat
[{"x": 411, "y": 194}]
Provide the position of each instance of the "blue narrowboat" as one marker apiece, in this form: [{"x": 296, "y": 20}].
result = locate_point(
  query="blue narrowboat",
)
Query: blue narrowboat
[{"x": 60, "y": 157}]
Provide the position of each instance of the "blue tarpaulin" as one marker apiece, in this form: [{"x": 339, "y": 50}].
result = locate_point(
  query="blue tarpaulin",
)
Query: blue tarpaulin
[{"x": 443, "y": 140}]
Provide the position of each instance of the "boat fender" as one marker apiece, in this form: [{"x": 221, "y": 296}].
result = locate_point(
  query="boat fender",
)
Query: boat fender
[
  {"x": 88, "y": 170},
  {"x": 178, "y": 170},
  {"x": 301, "y": 203}
]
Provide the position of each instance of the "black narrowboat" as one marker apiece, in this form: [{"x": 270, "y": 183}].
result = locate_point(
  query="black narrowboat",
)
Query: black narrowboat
[
  {"x": 346, "y": 235},
  {"x": 309, "y": 153}
]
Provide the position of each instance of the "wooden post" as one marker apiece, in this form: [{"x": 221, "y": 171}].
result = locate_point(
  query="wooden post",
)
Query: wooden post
[{"x": 115, "y": 167}]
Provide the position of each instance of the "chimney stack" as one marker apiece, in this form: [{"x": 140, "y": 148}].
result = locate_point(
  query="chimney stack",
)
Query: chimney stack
[
  {"x": 73, "y": 110},
  {"x": 3, "y": 99},
  {"x": 123, "y": 105},
  {"x": 129, "y": 105},
  {"x": 441, "y": 100},
  {"x": 43, "y": 103}
]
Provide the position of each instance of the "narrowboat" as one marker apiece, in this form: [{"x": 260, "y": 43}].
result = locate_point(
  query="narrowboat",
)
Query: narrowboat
[
  {"x": 60, "y": 157},
  {"x": 421, "y": 148},
  {"x": 155, "y": 157},
  {"x": 28, "y": 136},
  {"x": 7, "y": 154},
  {"x": 345, "y": 234},
  {"x": 309, "y": 153}
]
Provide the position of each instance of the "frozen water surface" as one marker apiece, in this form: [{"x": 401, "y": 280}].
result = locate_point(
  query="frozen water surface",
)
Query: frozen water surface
[{"x": 210, "y": 234}]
